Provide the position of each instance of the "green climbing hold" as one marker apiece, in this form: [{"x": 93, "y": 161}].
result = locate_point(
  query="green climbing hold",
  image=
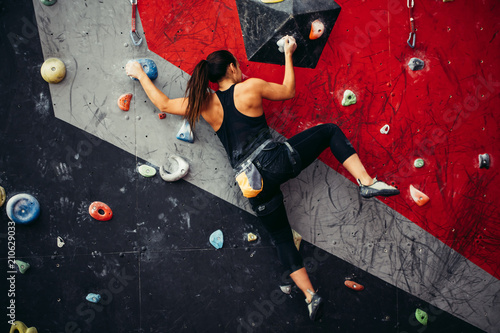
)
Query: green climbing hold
[
  {"x": 349, "y": 98},
  {"x": 48, "y": 2},
  {"x": 147, "y": 171},
  {"x": 419, "y": 163},
  {"x": 23, "y": 266},
  {"x": 421, "y": 316}
]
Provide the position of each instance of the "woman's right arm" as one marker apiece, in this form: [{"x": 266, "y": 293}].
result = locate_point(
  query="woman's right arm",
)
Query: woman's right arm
[{"x": 158, "y": 98}]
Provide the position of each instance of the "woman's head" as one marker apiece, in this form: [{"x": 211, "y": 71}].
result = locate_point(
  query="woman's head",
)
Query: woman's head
[
  {"x": 213, "y": 69},
  {"x": 218, "y": 62}
]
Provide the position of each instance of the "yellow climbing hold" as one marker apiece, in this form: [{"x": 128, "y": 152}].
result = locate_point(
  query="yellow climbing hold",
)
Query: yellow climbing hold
[
  {"x": 3, "y": 196},
  {"x": 271, "y": 1},
  {"x": 53, "y": 70},
  {"x": 20, "y": 327},
  {"x": 251, "y": 237},
  {"x": 297, "y": 238}
]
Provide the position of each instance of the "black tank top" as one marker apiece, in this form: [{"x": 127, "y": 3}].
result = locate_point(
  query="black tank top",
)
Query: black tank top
[{"x": 240, "y": 134}]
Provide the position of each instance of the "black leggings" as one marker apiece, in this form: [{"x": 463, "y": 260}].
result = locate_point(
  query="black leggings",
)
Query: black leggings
[{"x": 277, "y": 164}]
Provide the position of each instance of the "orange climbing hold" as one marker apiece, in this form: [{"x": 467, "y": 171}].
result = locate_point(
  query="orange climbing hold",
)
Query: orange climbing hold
[
  {"x": 353, "y": 285},
  {"x": 419, "y": 197},
  {"x": 100, "y": 211},
  {"x": 124, "y": 102},
  {"x": 317, "y": 29}
]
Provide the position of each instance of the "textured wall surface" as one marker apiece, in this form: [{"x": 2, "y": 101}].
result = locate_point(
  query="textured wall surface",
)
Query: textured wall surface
[{"x": 433, "y": 252}]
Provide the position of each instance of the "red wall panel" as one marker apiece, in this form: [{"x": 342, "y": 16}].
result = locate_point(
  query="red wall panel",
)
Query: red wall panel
[{"x": 446, "y": 113}]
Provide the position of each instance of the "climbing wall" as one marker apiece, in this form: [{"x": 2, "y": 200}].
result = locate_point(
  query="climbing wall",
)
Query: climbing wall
[
  {"x": 147, "y": 261},
  {"x": 444, "y": 113}
]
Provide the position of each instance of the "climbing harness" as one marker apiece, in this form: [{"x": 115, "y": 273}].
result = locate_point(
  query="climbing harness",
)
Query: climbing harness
[
  {"x": 133, "y": 31},
  {"x": 411, "y": 38}
]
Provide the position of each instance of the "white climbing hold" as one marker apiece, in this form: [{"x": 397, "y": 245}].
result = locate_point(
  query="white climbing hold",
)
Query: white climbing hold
[
  {"x": 175, "y": 173},
  {"x": 60, "y": 241},
  {"x": 385, "y": 129},
  {"x": 281, "y": 45}
]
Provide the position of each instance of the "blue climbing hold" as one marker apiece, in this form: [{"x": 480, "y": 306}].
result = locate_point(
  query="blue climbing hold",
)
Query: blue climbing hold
[
  {"x": 149, "y": 67},
  {"x": 23, "y": 208},
  {"x": 185, "y": 133},
  {"x": 94, "y": 298},
  {"x": 217, "y": 239}
]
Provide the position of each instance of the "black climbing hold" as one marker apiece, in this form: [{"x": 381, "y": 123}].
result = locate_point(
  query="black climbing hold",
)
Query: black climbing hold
[
  {"x": 144, "y": 248},
  {"x": 122, "y": 255},
  {"x": 484, "y": 161},
  {"x": 264, "y": 25},
  {"x": 416, "y": 64}
]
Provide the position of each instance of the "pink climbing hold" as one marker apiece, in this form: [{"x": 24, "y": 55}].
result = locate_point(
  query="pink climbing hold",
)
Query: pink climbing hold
[
  {"x": 124, "y": 102},
  {"x": 419, "y": 197},
  {"x": 317, "y": 29}
]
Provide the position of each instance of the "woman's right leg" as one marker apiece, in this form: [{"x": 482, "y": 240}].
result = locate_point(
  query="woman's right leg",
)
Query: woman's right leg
[{"x": 312, "y": 142}]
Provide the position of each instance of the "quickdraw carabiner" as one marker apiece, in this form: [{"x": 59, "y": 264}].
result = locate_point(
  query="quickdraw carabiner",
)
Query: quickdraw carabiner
[
  {"x": 413, "y": 35},
  {"x": 133, "y": 33}
]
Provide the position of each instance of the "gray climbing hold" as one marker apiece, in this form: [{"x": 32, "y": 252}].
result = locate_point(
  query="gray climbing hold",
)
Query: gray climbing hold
[
  {"x": 23, "y": 266},
  {"x": 484, "y": 161},
  {"x": 419, "y": 163},
  {"x": 286, "y": 289},
  {"x": 217, "y": 239},
  {"x": 349, "y": 98},
  {"x": 173, "y": 173},
  {"x": 416, "y": 64},
  {"x": 94, "y": 298},
  {"x": 147, "y": 171}
]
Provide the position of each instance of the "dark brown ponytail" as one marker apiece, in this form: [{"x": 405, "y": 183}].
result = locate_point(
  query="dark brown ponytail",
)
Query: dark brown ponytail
[{"x": 213, "y": 69}]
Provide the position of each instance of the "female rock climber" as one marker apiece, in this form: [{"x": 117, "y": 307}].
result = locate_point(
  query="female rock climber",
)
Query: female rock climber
[{"x": 236, "y": 114}]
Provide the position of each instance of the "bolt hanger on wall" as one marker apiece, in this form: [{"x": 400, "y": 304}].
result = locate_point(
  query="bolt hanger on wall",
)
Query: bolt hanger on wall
[{"x": 412, "y": 37}]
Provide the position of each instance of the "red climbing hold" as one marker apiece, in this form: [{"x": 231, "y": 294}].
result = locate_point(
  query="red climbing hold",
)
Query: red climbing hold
[
  {"x": 124, "y": 102},
  {"x": 353, "y": 285},
  {"x": 317, "y": 29},
  {"x": 100, "y": 211},
  {"x": 419, "y": 197},
  {"x": 162, "y": 115}
]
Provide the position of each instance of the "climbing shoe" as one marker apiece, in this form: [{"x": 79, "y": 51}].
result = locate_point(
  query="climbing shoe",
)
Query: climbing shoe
[
  {"x": 377, "y": 188},
  {"x": 314, "y": 306}
]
